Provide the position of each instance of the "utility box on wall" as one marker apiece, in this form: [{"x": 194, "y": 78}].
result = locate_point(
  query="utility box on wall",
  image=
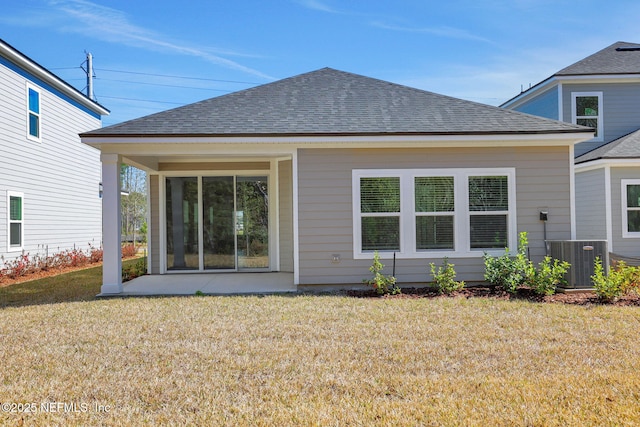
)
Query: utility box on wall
[{"x": 581, "y": 254}]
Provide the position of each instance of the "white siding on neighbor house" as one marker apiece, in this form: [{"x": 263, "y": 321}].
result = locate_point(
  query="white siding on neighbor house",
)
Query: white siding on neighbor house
[
  {"x": 543, "y": 105},
  {"x": 621, "y": 109},
  {"x": 59, "y": 176},
  {"x": 625, "y": 246},
  {"x": 325, "y": 205},
  {"x": 591, "y": 205}
]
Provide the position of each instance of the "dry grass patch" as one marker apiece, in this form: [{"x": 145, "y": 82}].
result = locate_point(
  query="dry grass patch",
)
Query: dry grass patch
[{"x": 311, "y": 360}]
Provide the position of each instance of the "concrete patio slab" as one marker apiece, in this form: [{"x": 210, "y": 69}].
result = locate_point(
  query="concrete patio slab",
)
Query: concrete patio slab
[{"x": 208, "y": 283}]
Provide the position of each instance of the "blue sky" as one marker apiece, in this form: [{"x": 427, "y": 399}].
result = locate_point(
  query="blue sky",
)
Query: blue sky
[{"x": 484, "y": 51}]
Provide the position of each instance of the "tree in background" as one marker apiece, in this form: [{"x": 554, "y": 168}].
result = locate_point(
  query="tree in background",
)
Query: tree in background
[{"x": 133, "y": 204}]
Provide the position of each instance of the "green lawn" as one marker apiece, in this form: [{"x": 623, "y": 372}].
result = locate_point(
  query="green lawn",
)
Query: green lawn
[
  {"x": 313, "y": 360},
  {"x": 81, "y": 285}
]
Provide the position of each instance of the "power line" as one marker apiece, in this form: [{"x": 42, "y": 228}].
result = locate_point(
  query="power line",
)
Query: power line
[
  {"x": 142, "y": 100},
  {"x": 161, "y": 75},
  {"x": 163, "y": 85},
  {"x": 176, "y": 77}
]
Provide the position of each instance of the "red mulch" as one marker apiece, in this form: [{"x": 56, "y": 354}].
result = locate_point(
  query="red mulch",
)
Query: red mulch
[{"x": 572, "y": 297}]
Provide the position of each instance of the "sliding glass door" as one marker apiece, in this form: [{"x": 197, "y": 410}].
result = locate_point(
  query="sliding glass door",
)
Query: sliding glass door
[
  {"x": 252, "y": 222},
  {"x": 218, "y": 213},
  {"x": 182, "y": 224},
  {"x": 229, "y": 232}
]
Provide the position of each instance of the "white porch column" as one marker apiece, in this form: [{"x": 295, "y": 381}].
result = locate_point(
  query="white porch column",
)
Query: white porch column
[{"x": 112, "y": 256}]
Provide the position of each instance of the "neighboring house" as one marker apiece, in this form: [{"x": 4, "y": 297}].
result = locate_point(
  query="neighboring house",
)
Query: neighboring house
[
  {"x": 49, "y": 180},
  {"x": 312, "y": 173},
  {"x": 601, "y": 91}
]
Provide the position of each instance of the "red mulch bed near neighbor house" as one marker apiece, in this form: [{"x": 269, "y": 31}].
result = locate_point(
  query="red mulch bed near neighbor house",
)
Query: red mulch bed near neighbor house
[{"x": 570, "y": 297}]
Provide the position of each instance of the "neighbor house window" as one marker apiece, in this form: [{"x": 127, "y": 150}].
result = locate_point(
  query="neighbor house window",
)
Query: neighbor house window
[
  {"x": 630, "y": 207},
  {"x": 15, "y": 221},
  {"x": 420, "y": 213},
  {"x": 33, "y": 113},
  {"x": 586, "y": 110}
]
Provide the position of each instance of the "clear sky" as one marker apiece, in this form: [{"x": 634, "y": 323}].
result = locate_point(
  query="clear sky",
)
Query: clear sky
[{"x": 480, "y": 50}]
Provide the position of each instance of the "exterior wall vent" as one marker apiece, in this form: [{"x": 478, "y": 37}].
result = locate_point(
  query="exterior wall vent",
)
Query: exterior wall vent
[{"x": 581, "y": 254}]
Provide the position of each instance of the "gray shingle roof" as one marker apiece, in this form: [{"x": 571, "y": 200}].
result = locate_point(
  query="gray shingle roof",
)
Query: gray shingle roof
[
  {"x": 625, "y": 147},
  {"x": 332, "y": 102},
  {"x": 614, "y": 59}
]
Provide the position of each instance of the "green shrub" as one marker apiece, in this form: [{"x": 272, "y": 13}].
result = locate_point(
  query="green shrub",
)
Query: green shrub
[
  {"x": 511, "y": 272},
  {"x": 135, "y": 270},
  {"x": 631, "y": 277},
  {"x": 621, "y": 280},
  {"x": 382, "y": 284},
  {"x": 548, "y": 276},
  {"x": 444, "y": 277},
  {"x": 506, "y": 271}
]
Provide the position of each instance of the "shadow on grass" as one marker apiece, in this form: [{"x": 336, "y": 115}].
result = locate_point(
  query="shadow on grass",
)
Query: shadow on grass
[{"x": 80, "y": 285}]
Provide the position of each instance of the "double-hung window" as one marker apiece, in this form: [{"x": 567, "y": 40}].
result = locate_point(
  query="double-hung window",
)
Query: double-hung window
[
  {"x": 421, "y": 213},
  {"x": 15, "y": 221},
  {"x": 586, "y": 110},
  {"x": 380, "y": 213},
  {"x": 630, "y": 193},
  {"x": 488, "y": 211},
  {"x": 435, "y": 212},
  {"x": 33, "y": 113}
]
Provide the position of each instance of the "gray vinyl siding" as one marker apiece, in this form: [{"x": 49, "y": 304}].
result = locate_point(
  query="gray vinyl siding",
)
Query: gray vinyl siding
[
  {"x": 59, "y": 176},
  {"x": 591, "y": 205},
  {"x": 628, "y": 247},
  {"x": 154, "y": 223},
  {"x": 621, "y": 109},
  {"x": 325, "y": 205},
  {"x": 285, "y": 192},
  {"x": 543, "y": 105}
]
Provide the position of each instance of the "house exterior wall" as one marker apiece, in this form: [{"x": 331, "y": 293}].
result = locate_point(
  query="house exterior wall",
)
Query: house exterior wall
[
  {"x": 285, "y": 208},
  {"x": 58, "y": 175},
  {"x": 591, "y": 205},
  {"x": 621, "y": 109},
  {"x": 325, "y": 205},
  {"x": 543, "y": 105},
  {"x": 625, "y": 246}
]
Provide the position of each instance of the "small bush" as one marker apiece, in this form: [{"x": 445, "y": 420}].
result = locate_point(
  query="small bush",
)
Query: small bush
[
  {"x": 607, "y": 287},
  {"x": 444, "y": 277},
  {"x": 506, "y": 271},
  {"x": 621, "y": 280},
  {"x": 631, "y": 277},
  {"x": 548, "y": 276},
  {"x": 135, "y": 270},
  {"x": 511, "y": 272},
  {"x": 129, "y": 250},
  {"x": 382, "y": 284}
]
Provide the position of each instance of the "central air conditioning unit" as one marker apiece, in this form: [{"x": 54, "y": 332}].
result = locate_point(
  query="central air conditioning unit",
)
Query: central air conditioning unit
[{"x": 581, "y": 254}]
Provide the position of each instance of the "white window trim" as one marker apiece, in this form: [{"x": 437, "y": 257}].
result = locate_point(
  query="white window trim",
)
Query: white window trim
[
  {"x": 39, "y": 114},
  {"x": 9, "y": 222},
  {"x": 599, "y": 117},
  {"x": 623, "y": 197},
  {"x": 461, "y": 214}
]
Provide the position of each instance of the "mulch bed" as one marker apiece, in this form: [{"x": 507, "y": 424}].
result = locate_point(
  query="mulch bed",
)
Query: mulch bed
[{"x": 573, "y": 297}]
